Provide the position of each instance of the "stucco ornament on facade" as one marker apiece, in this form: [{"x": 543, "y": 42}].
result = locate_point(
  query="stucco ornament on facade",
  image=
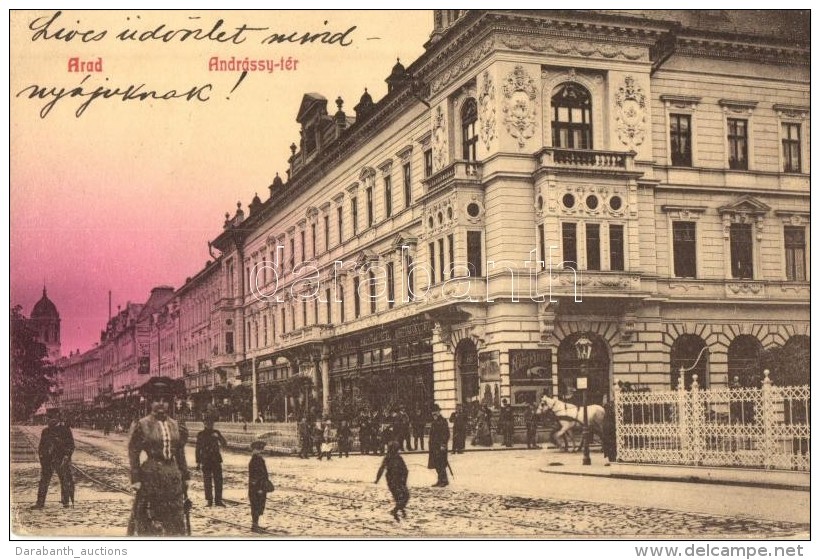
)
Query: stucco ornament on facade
[
  {"x": 630, "y": 114},
  {"x": 519, "y": 106},
  {"x": 486, "y": 110},
  {"x": 439, "y": 139}
]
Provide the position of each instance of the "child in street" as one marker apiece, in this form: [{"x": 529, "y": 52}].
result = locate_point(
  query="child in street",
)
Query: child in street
[
  {"x": 396, "y": 469},
  {"x": 258, "y": 484}
]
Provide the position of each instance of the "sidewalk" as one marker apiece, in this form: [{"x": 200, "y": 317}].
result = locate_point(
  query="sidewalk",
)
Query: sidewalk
[{"x": 571, "y": 464}]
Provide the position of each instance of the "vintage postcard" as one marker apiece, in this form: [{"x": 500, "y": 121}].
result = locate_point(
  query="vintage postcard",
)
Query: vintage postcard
[{"x": 416, "y": 274}]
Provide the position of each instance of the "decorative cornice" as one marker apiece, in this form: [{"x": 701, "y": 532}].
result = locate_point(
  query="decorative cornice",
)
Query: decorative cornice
[
  {"x": 386, "y": 166},
  {"x": 405, "y": 153},
  {"x": 680, "y": 101},
  {"x": 737, "y": 106},
  {"x": 791, "y": 111},
  {"x": 352, "y": 188}
]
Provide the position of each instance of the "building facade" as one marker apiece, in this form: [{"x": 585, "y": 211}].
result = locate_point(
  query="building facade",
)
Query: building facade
[{"x": 640, "y": 179}]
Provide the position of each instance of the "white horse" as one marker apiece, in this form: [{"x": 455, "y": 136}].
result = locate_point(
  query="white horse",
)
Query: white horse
[
  {"x": 570, "y": 415},
  {"x": 567, "y": 431}
]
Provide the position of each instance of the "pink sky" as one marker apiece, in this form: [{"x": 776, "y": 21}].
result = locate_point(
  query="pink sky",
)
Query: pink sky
[{"x": 127, "y": 196}]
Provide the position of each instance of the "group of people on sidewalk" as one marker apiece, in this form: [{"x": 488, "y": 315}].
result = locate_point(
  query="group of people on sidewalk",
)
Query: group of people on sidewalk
[{"x": 161, "y": 504}]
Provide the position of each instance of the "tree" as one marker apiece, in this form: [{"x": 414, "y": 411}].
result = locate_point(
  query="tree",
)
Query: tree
[{"x": 32, "y": 376}]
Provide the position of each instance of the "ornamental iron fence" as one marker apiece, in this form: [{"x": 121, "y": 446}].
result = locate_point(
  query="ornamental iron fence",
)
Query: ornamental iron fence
[{"x": 766, "y": 427}]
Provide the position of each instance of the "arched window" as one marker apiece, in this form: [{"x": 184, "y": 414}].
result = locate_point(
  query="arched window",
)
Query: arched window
[
  {"x": 571, "y": 117},
  {"x": 789, "y": 364},
  {"x": 745, "y": 368},
  {"x": 685, "y": 351},
  {"x": 469, "y": 135}
]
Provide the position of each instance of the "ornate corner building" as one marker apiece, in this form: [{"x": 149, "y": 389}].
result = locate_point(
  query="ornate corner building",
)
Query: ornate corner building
[{"x": 638, "y": 178}]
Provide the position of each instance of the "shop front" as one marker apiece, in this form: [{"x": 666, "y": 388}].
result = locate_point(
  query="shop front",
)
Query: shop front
[{"x": 382, "y": 369}]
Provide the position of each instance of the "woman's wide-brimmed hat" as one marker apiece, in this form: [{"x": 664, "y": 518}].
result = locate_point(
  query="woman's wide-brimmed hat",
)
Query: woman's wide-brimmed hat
[{"x": 258, "y": 444}]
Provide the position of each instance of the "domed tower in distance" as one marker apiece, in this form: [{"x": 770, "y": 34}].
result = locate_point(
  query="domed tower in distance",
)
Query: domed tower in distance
[{"x": 45, "y": 320}]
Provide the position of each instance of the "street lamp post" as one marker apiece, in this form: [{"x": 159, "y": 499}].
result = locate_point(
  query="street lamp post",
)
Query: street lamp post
[{"x": 583, "y": 347}]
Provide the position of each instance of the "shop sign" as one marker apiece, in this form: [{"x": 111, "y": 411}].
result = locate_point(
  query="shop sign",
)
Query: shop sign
[{"x": 530, "y": 366}]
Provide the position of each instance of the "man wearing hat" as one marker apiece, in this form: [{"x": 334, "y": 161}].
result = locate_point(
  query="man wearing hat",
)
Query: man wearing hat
[
  {"x": 506, "y": 422},
  {"x": 208, "y": 456},
  {"x": 437, "y": 456},
  {"x": 161, "y": 482},
  {"x": 258, "y": 484},
  {"x": 55, "y": 449}
]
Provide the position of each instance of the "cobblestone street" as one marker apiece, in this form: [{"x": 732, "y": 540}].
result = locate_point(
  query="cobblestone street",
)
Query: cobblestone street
[{"x": 497, "y": 493}]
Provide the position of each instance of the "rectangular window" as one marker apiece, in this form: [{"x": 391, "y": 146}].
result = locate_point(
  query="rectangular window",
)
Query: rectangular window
[
  {"x": 339, "y": 222},
  {"x": 354, "y": 211},
  {"x": 616, "y": 247},
  {"x": 292, "y": 317},
  {"x": 341, "y": 303},
  {"x": 474, "y": 252},
  {"x": 371, "y": 280},
  {"x": 328, "y": 307},
  {"x": 593, "y": 246},
  {"x": 738, "y": 139},
  {"x": 388, "y": 197},
  {"x": 315, "y": 311},
  {"x": 304, "y": 313},
  {"x": 428, "y": 162},
  {"x": 327, "y": 232},
  {"x": 292, "y": 253},
  {"x": 369, "y": 198},
  {"x": 441, "y": 259},
  {"x": 391, "y": 287},
  {"x": 795, "y": 244},
  {"x": 248, "y": 274},
  {"x": 229, "y": 342},
  {"x": 411, "y": 278},
  {"x": 265, "y": 327},
  {"x": 451, "y": 265},
  {"x": 357, "y": 304},
  {"x": 569, "y": 239},
  {"x": 284, "y": 322},
  {"x": 684, "y": 249},
  {"x": 740, "y": 246},
  {"x": 542, "y": 249},
  {"x": 302, "y": 245},
  {"x": 313, "y": 239},
  {"x": 432, "y": 249},
  {"x": 680, "y": 140},
  {"x": 791, "y": 148},
  {"x": 408, "y": 186}
]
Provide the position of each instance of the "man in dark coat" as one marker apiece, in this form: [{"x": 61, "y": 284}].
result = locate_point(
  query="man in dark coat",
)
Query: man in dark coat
[
  {"x": 505, "y": 423},
  {"x": 258, "y": 484},
  {"x": 439, "y": 436},
  {"x": 208, "y": 456},
  {"x": 303, "y": 430},
  {"x": 531, "y": 422},
  {"x": 55, "y": 449},
  {"x": 459, "y": 421},
  {"x": 419, "y": 422}
]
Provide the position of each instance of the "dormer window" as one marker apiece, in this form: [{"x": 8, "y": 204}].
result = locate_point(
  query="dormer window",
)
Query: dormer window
[{"x": 571, "y": 117}]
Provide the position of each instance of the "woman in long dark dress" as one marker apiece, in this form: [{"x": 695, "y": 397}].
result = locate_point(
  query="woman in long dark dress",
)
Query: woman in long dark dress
[{"x": 162, "y": 480}]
